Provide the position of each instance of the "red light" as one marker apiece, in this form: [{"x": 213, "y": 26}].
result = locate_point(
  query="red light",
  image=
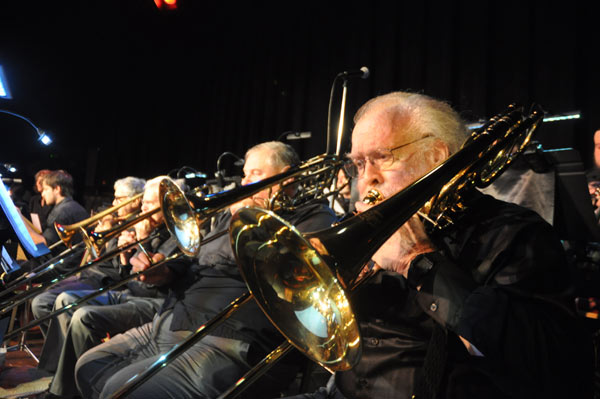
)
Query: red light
[{"x": 166, "y": 4}]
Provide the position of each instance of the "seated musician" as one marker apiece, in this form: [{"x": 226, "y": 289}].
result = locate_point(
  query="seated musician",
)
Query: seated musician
[
  {"x": 73, "y": 332},
  {"x": 100, "y": 275},
  {"x": 57, "y": 190},
  {"x": 37, "y": 204},
  {"x": 214, "y": 281},
  {"x": 475, "y": 310}
]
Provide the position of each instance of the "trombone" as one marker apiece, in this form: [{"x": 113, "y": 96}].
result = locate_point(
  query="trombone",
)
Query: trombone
[
  {"x": 115, "y": 285},
  {"x": 300, "y": 281},
  {"x": 24, "y": 296},
  {"x": 92, "y": 240},
  {"x": 66, "y": 235},
  {"x": 184, "y": 214}
]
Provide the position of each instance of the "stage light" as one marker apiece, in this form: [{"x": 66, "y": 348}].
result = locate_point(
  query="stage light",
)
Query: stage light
[
  {"x": 166, "y": 4},
  {"x": 43, "y": 136},
  {"x": 4, "y": 92},
  {"x": 548, "y": 118},
  {"x": 10, "y": 167}
]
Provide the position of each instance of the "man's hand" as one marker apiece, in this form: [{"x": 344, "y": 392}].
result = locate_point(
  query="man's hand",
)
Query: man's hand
[
  {"x": 143, "y": 228},
  {"x": 125, "y": 238},
  {"x": 258, "y": 201},
  {"x": 403, "y": 246},
  {"x": 160, "y": 276},
  {"x": 106, "y": 223}
]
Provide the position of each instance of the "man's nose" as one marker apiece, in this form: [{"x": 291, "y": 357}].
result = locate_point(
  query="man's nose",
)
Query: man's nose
[{"x": 372, "y": 175}]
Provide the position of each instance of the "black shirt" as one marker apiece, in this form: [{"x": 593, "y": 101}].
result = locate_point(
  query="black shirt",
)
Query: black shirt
[
  {"x": 499, "y": 280},
  {"x": 35, "y": 206},
  {"x": 215, "y": 281},
  {"x": 66, "y": 212}
]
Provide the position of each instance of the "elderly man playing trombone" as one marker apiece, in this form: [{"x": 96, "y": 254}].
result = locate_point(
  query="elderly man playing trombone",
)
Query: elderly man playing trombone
[
  {"x": 101, "y": 274},
  {"x": 214, "y": 280},
  {"x": 476, "y": 309},
  {"x": 72, "y": 333}
]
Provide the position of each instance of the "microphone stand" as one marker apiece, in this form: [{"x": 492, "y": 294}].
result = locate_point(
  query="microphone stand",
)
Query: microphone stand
[{"x": 340, "y": 132}]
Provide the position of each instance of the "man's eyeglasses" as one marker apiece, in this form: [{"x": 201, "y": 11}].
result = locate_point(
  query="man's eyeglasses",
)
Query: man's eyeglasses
[
  {"x": 120, "y": 198},
  {"x": 382, "y": 159}
]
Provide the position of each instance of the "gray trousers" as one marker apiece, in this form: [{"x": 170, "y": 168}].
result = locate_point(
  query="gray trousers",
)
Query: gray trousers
[
  {"x": 42, "y": 304},
  {"x": 57, "y": 327},
  {"x": 69, "y": 336},
  {"x": 203, "y": 371}
]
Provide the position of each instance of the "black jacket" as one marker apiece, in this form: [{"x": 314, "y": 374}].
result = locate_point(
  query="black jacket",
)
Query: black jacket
[{"x": 500, "y": 280}]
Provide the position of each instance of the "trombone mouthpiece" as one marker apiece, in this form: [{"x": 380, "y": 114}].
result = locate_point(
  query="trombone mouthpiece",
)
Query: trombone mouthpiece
[{"x": 373, "y": 197}]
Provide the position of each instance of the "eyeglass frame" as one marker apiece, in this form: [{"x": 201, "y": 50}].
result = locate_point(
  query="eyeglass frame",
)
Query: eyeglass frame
[{"x": 350, "y": 167}]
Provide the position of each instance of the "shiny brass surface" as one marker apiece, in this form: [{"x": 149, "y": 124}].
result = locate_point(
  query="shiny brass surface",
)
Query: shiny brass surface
[
  {"x": 94, "y": 241},
  {"x": 66, "y": 233},
  {"x": 186, "y": 213},
  {"x": 373, "y": 197},
  {"x": 300, "y": 280},
  {"x": 288, "y": 277}
]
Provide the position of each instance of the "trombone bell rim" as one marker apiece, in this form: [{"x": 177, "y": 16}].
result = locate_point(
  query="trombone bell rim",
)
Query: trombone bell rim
[
  {"x": 179, "y": 216},
  {"x": 295, "y": 288}
]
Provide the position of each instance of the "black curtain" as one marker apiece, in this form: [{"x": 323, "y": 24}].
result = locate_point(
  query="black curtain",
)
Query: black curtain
[{"x": 132, "y": 90}]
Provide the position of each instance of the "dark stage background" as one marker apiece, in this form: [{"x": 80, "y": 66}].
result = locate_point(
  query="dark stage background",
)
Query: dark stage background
[{"x": 127, "y": 89}]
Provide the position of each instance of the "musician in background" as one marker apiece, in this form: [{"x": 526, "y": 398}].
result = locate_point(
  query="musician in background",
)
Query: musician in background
[
  {"x": 343, "y": 202},
  {"x": 57, "y": 191},
  {"x": 98, "y": 276},
  {"x": 72, "y": 333},
  {"x": 37, "y": 204},
  {"x": 213, "y": 282},
  {"x": 477, "y": 310}
]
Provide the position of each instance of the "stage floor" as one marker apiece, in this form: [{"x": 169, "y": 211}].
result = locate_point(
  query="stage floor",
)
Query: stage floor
[{"x": 19, "y": 376}]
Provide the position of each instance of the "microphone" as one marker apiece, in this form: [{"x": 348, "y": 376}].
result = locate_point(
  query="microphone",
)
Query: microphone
[
  {"x": 296, "y": 135},
  {"x": 362, "y": 73}
]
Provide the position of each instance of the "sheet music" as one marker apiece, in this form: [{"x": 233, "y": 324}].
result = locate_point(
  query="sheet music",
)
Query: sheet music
[
  {"x": 35, "y": 219},
  {"x": 8, "y": 206}
]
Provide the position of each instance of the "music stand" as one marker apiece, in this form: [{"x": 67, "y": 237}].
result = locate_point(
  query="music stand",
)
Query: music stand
[{"x": 13, "y": 227}]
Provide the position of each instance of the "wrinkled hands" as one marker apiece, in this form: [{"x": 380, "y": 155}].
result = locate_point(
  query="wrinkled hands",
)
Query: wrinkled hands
[
  {"x": 125, "y": 238},
  {"x": 159, "y": 276},
  {"x": 403, "y": 246}
]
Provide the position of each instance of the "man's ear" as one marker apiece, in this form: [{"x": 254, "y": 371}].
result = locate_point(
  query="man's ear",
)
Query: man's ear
[{"x": 439, "y": 152}]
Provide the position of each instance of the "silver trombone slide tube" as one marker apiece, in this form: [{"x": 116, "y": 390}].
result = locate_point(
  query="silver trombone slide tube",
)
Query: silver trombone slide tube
[
  {"x": 138, "y": 379},
  {"x": 83, "y": 300},
  {"x": 43, "y": 268},
  {"x": 24, "y": 296},
  {"x": 257, "y": 371}
]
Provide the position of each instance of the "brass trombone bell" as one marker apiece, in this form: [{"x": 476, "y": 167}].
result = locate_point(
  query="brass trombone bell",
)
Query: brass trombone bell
[
  {"x": 299, "y": 281},
  {"x": 286, "y": 275},
  {"x": 94, "y": 241},
  {"x": 185, "y": 213}
]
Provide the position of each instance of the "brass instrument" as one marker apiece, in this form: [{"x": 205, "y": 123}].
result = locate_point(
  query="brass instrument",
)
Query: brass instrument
[
  {"x": 22, "y": 297},
  {"x": 67, "y": 233},
  {"x": 93, "y": 241},
  {"x": 184, "y": 214},
  {"x": 265, "y": 244},
  {"x": 300, "y": 281}
]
